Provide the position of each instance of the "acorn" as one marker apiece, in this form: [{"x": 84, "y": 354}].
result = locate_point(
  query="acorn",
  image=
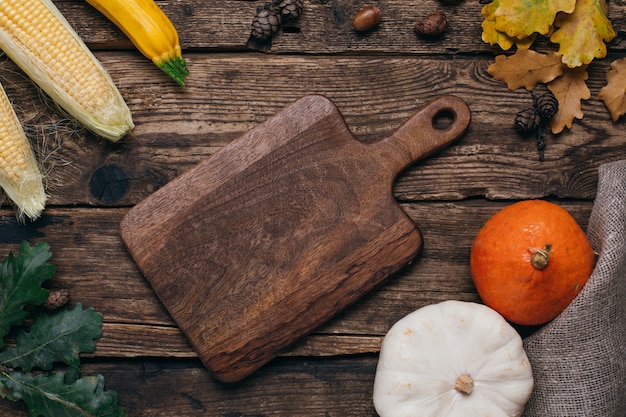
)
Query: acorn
[
  {"x": 367, "y": 18},
  {"x": 57, "y": 298},
  {"x": 432, "y": 26}
]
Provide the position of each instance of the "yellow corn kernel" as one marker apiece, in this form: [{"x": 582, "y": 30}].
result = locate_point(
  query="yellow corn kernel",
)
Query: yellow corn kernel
[
  {"x": 150, "y": 30},
  {"x": 36, "y": 36},
  {"x": 20, "y": 177}
]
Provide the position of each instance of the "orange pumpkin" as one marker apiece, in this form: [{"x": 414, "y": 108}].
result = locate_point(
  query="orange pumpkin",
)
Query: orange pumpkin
[{"x": 530, "y": 260}]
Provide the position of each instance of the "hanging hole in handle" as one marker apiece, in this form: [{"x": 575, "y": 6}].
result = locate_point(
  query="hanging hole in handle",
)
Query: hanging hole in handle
[{"x": 443, "y": 119}]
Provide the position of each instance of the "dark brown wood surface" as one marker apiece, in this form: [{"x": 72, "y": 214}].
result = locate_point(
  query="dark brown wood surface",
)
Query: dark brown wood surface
[
  {"x": 378, "y": 80},
  {"x": 264, "y": 241}
]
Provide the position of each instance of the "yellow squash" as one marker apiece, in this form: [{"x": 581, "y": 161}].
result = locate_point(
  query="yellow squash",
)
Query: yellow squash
[{"x": 150, "y": 30}]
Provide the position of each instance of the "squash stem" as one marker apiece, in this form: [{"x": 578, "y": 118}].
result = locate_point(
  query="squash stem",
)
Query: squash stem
[
  {"x": 464, "y": 384},
  {"x": 175, "y": 68},
  {"x": 541, "y": 257}
]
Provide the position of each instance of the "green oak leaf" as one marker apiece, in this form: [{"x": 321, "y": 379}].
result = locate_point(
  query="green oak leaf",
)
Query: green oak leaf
[
  {"x": 55, "y": 337},
  {"x": 21, "y": 277},
  {"x": 48, "y": 395}
]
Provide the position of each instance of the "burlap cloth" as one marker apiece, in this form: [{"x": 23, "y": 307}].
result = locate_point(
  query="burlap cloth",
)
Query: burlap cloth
[{"x": 579, "y": 359}]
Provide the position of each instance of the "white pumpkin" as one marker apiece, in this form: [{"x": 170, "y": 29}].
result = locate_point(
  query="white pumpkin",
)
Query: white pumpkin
[{"x": 456, "y": 359}]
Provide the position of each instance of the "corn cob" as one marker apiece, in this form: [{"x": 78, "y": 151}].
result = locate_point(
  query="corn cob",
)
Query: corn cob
[
  {"x": 150, "y": 30},
  {"x": 20, "y": 177},
  {"x": 36, "y": 36}
]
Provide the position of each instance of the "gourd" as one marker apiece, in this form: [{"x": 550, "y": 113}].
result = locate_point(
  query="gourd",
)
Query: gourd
[
  {"x": 150, "y": 30},
  {"x": 454, "y": 358},
  {"x": 530, "y": 260}
]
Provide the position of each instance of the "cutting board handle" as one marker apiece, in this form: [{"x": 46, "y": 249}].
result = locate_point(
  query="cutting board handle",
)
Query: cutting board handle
[{"x": 431, "y": 128}]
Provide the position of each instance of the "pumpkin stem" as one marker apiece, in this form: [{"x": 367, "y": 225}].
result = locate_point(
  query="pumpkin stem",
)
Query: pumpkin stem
[
  {"x": 464, "y": 384},
  {"x": 541, "y": 257}
]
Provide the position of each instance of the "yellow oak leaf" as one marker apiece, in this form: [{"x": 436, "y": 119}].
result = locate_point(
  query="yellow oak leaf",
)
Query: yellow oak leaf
[
  {"x": 613, "y": 94},
  {"x": 526, "y": 42},
  {"x": 582, "y": 34},
  {"x": 569, "y": 89},
  {"x": 490, "y": 34},
  {"x": 521, "y": 18},
  {"x": 526, "y": 68}
]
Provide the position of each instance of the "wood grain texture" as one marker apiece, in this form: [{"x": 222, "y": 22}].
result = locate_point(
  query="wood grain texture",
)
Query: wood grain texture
[
  {"x": 137, "y": 324},
  {"x": 324, "y": 27},
  {"x": 331, "y": 386},
  {"x": 258, "y": 245},
  {"x": 228, "y": 95},
  {"x": 378, "y": 80}
]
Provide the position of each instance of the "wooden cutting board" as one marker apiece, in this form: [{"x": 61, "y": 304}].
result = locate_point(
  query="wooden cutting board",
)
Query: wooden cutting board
[{"x": 281, "y": 229}]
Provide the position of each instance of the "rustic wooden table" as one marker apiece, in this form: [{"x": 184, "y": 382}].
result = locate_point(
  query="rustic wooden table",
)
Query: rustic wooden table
[{"x": 377, "y": 80}]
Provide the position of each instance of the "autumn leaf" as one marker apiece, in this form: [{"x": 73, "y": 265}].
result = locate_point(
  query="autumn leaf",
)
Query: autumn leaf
[
  {"x": 613, "y": 94},
  {"x": 525, "y": 43},
  {"x": 521, "y": 18},
  {"x": 494, "y": 37},
  {"x": 569, "y": 89},
  {"x": 490, "y": 34},
  {"x": 582, "y": 34},
  {"x": 526, "y": 68}
]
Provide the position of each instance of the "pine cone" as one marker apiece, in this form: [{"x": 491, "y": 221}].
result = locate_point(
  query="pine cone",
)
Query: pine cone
[
  {"x": 57, "y": 298},
  {"x": 527, "y": 120},
  {"x": 547, "y": 105},
  {"x": 290, "y": 9},
  {"x": 266, "y": 22}
]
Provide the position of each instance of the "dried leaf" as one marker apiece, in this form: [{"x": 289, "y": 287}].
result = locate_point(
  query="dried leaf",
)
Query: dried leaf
[
  {"x": 493, "y": 37},
  {"x": 569, "y": 89},
  {"x": 521, "y": 18},
  {"x": 526, "y": 68},
  {"x": 614, "y": 92},
  {"x": 525, "y": 43},
  {"x": 582, "y": 34},
  {"x": 490, "y": 34}
]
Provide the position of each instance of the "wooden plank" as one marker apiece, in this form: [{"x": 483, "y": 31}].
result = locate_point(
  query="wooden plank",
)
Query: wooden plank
[
  {"x": 295, "y": 221},
  {"x": 93, "y": 263},
  {"x": 324, "y": 27},
  {"x": 377, "y": 80},
  {"x": 120, "y": 340},
  {"x": 285, "y": 387},
  {"x": 177, "y": 128}
]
